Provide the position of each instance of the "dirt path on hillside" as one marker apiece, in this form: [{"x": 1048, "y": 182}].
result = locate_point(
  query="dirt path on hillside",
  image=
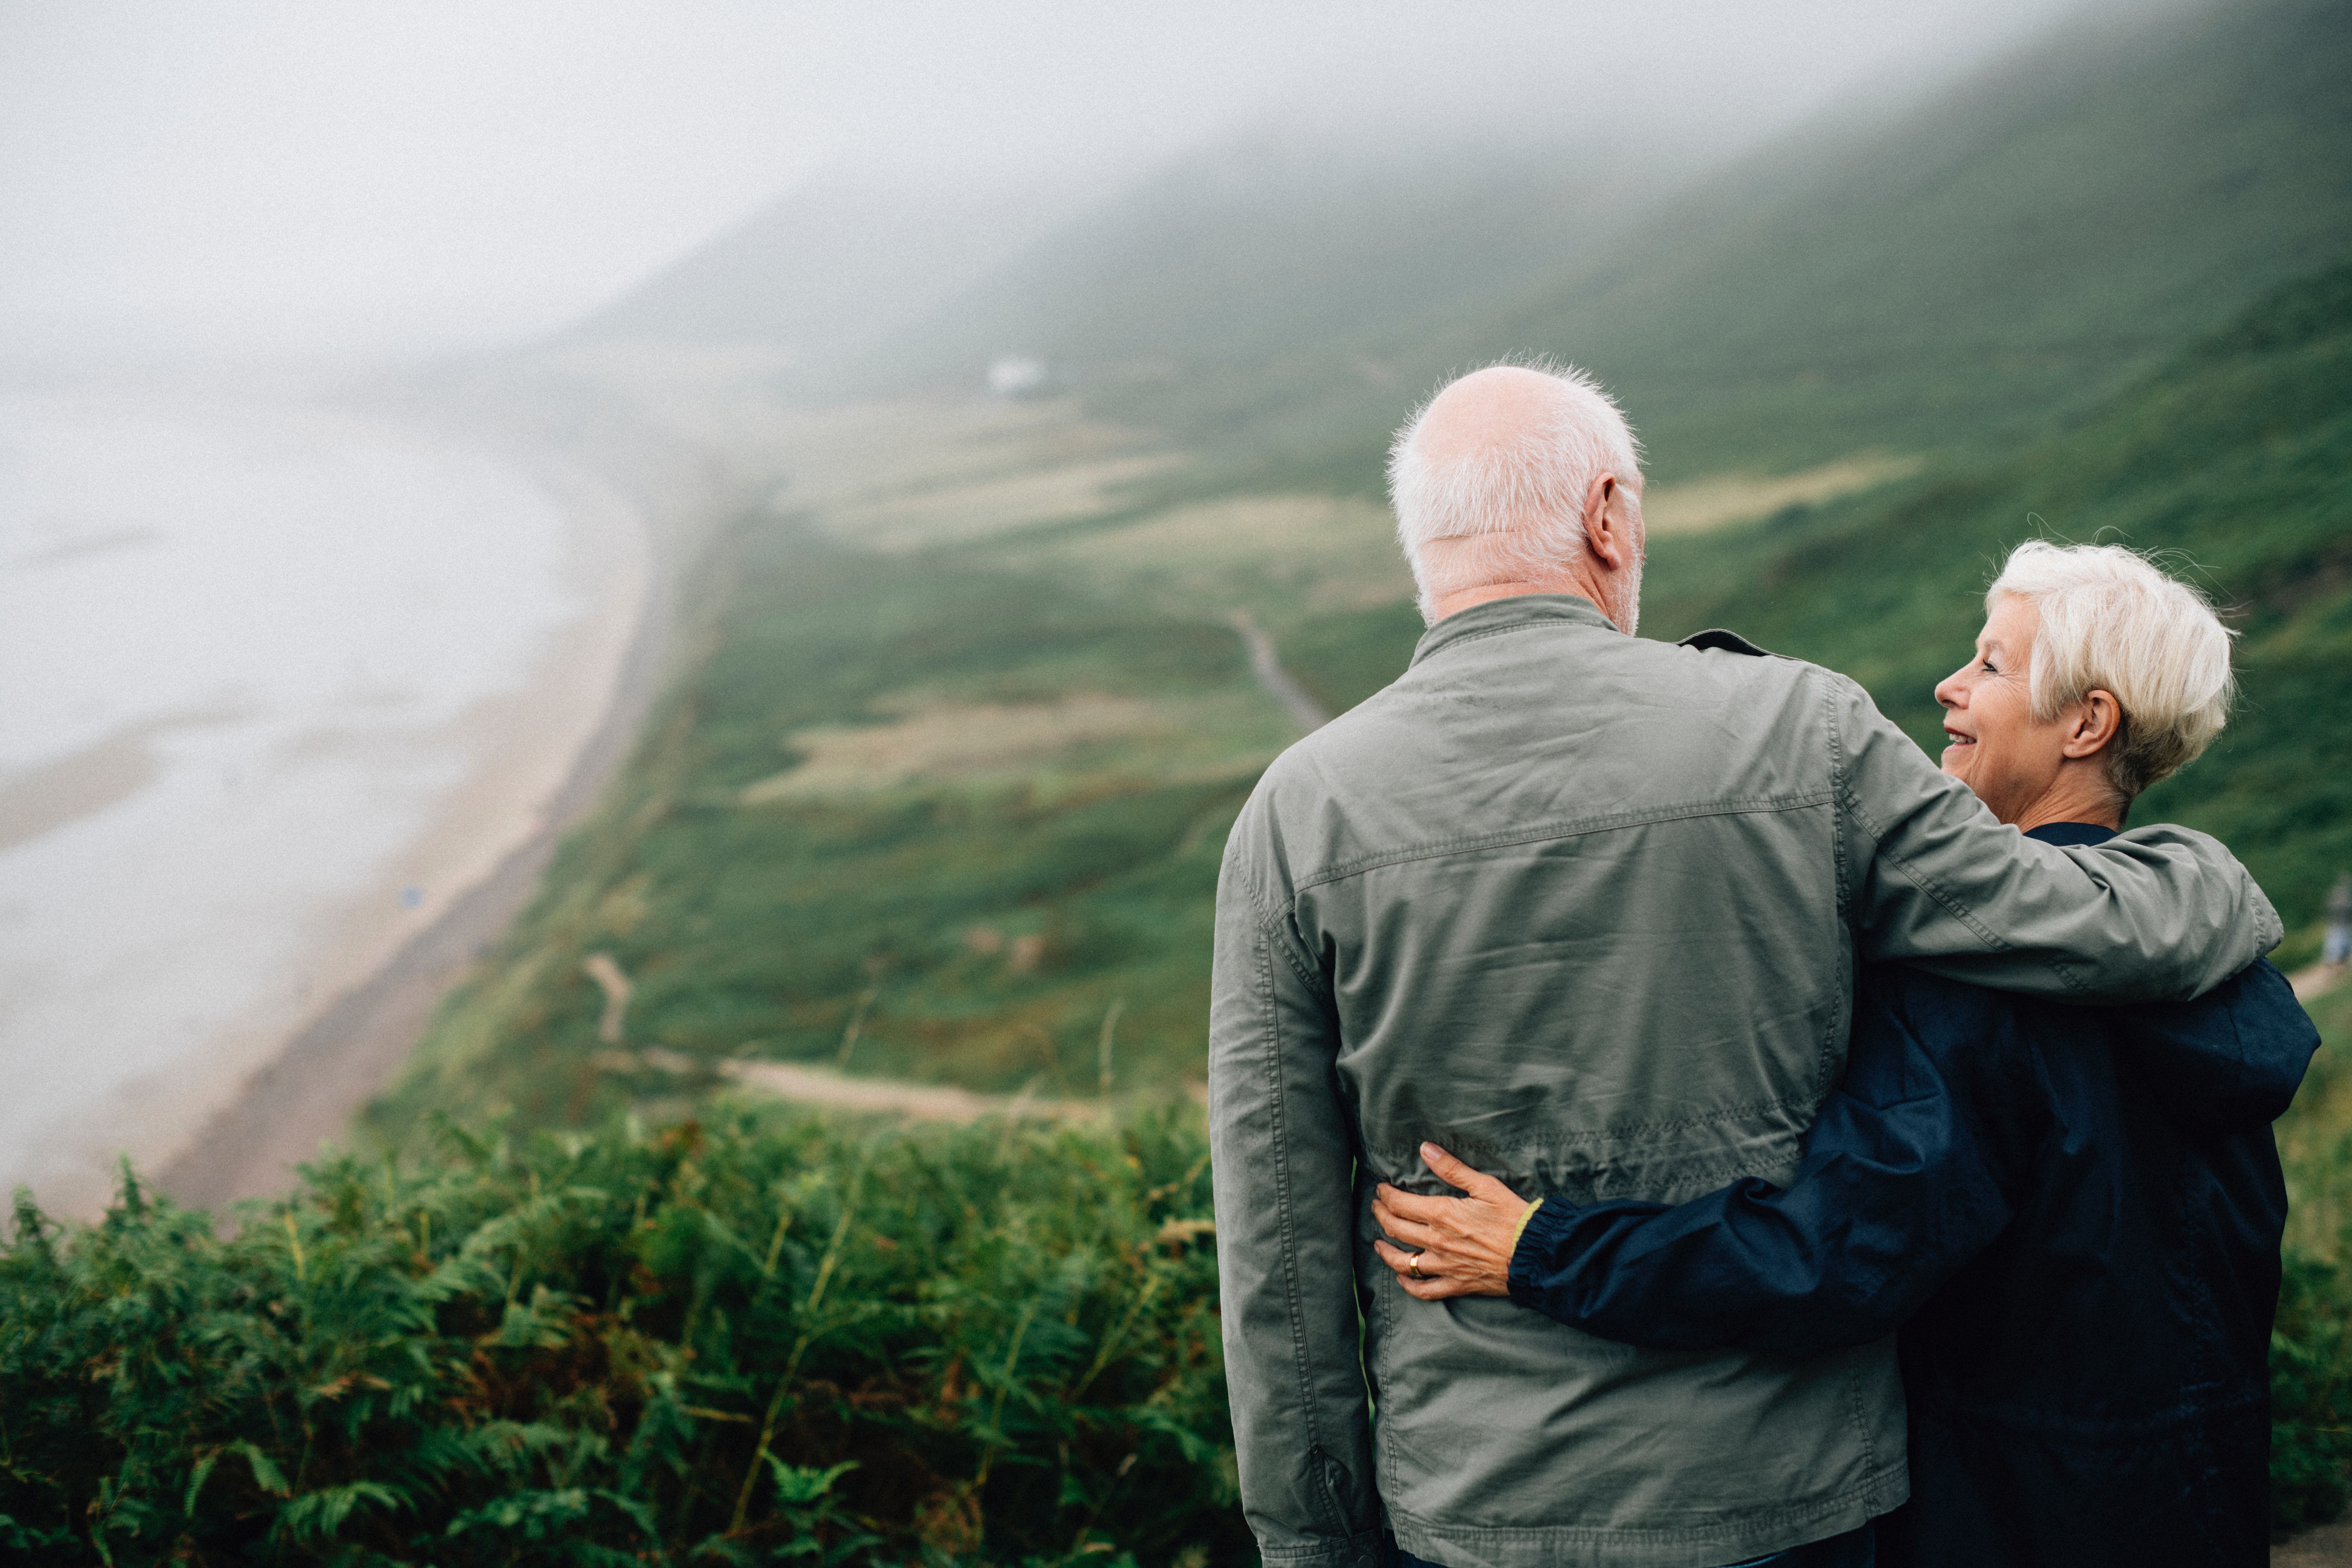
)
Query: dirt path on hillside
[
  {"x": 920, "y": 1101},
  {"x": 1264, "y": 664},
  {"x": 2315, "y": 981},
  {"x": 2329, "y": 1546},
  {"x": 943, "y": 1102}
]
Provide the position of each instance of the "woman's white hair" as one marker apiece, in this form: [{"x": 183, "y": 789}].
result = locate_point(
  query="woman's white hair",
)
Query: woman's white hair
[
  {"x": 1520, "y": 494},
  {"x": 2109, "y": 620}
]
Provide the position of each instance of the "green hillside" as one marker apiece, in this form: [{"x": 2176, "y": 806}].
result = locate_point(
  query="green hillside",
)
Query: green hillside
[
  {"x": 1907, "y": 276},
  {"x": 2029, "y": 243},
  {"x": 1187, "y": 298},
  {"x": 944, "y": 800},
  {"x": 2237, "y": 455},
  {"x": 950, "y": 810}
]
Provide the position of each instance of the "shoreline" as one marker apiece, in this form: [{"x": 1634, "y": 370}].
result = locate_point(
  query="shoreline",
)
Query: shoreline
[{"x": 391, "y": 974}]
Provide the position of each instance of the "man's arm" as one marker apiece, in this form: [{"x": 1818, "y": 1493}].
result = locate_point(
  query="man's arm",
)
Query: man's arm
[
  {"x": 1902, "y": 1182},
  {"x": 1932, "y": 879},
  {"x": 1285, "y": 1167}
]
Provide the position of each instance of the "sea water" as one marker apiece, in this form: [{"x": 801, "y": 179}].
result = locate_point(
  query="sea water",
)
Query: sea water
[{"x": 237, "y": 645}]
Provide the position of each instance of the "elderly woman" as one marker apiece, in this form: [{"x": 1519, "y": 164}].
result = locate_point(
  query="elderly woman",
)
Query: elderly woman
[{"x": 2073, "y": 1216}]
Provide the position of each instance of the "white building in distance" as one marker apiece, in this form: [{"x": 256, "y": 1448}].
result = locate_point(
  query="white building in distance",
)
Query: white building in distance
[{"x": 1015, "y": 375}]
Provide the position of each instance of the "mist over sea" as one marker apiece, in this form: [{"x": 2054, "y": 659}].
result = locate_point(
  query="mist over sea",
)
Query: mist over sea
[{"x": 249, "y": 651}]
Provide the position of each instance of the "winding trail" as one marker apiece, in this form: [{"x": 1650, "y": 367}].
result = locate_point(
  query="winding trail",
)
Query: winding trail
[
  {"x": 920, "y": 1101},
  {"x": 1279, "y": 685}
]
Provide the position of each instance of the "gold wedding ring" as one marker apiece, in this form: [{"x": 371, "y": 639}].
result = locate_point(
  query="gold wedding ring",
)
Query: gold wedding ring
[{"x": 1415, "y": 1267}]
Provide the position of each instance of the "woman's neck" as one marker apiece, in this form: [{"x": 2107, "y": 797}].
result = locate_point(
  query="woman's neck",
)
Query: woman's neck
[{"x": 2077, "y": 795}]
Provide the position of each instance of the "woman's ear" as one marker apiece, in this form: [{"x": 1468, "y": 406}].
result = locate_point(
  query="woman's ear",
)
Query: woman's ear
[{"x": 2093, "y": 723}]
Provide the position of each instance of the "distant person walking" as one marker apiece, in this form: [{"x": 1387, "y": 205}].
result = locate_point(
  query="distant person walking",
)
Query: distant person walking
[
  {"x": 2338, "y": 949},
  {"x": 1586, "y": 910}
]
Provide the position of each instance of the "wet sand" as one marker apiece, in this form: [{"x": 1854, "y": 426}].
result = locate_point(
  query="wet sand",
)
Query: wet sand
[{"x": 386, "y": 967}]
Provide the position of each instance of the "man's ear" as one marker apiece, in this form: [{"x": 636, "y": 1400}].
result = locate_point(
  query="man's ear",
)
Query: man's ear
[
  {"x": 1606, "y": 534},
  {"x": 2097, "y": 720}
]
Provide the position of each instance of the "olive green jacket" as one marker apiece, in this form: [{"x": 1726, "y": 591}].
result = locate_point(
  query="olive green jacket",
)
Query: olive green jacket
[{"x": 1585, "y": 910}]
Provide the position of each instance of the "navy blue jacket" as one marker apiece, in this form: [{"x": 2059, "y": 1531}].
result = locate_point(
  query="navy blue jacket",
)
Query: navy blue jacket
[{"x": 2073, "y": 1216}]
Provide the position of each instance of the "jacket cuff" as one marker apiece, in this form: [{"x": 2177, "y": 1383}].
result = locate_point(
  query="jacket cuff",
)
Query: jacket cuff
[{"x": 1540, "y": 1231}]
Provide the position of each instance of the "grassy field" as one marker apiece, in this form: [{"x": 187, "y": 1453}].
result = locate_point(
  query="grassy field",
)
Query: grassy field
[
  {"x": 943, "y": 798},
  {"x": 975, "y": 810},
  {"x": 957, "y": 775}
]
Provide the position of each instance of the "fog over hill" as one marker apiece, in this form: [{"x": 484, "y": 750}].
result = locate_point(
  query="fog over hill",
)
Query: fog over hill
[
  {"x": 827, "y": 270},
  {"x": 2026, "y": 242},
  {"x": 1947, "y": 268}
]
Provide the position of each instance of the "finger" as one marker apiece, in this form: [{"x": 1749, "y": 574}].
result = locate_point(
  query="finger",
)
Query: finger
[
  {"x": 1454, "y": 1173},
  {"x": 1410, "y": 1233},
  {"x": 1396, "y": 1256},
  {"x": 1414, "y": 1206},
  {"x": 1446, "y": 1168}
]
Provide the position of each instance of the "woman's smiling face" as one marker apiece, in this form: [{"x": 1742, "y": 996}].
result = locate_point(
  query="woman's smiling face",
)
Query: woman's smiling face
[{"x": 1996, "y": 745}]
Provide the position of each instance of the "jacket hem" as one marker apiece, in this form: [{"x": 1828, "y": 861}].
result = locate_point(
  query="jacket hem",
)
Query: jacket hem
[
  {"x": 1756, "y": 1535},
  {"x": 1360, "y": 1551}
]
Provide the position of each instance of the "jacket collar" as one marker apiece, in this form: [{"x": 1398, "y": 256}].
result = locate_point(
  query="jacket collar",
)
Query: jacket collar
[
  {"x": 1510, "y": 615},
  {"x": 2069, "y": 835}
]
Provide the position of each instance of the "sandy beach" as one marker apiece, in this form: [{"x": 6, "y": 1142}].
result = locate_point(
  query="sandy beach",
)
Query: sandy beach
[
  {"x": 541, "y": 755},
  {"x": 231, "y": 1008}
]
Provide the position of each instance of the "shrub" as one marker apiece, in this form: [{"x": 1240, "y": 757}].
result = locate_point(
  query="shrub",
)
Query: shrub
[
  {"x": 743, "y": 1343},
  {"x": 2311, "y": 1398}
]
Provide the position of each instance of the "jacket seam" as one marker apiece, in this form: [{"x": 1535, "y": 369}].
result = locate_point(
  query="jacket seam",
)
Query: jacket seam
[
  {"x": 1384, "y": 1295},
  {"x": 1572, "y": 827},
  {"x": 1856, "y": 1408},
  {"x": 1266, "y": 923},
  {"x": 1852, "y": 801},
  {"x": 1570, "y": 1138},
  {"x": 1294, "y": 1299},
  {"x": 1714, "y": 1174},
  {"x": 1465, "y": 638},
  {"x": 1838, "y": 783}
]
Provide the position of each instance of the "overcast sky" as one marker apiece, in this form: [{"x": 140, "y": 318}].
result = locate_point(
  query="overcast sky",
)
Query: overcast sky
[{"x": 311, "y": 175}]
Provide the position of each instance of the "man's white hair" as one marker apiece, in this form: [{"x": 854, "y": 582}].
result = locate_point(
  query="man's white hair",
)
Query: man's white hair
[
  {"x": 2111, "y": 620},
  {"x": 1520, "y": 494}
]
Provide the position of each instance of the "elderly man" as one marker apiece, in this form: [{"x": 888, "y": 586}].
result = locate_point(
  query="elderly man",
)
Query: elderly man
[{"x": 1586, "y": 911}]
